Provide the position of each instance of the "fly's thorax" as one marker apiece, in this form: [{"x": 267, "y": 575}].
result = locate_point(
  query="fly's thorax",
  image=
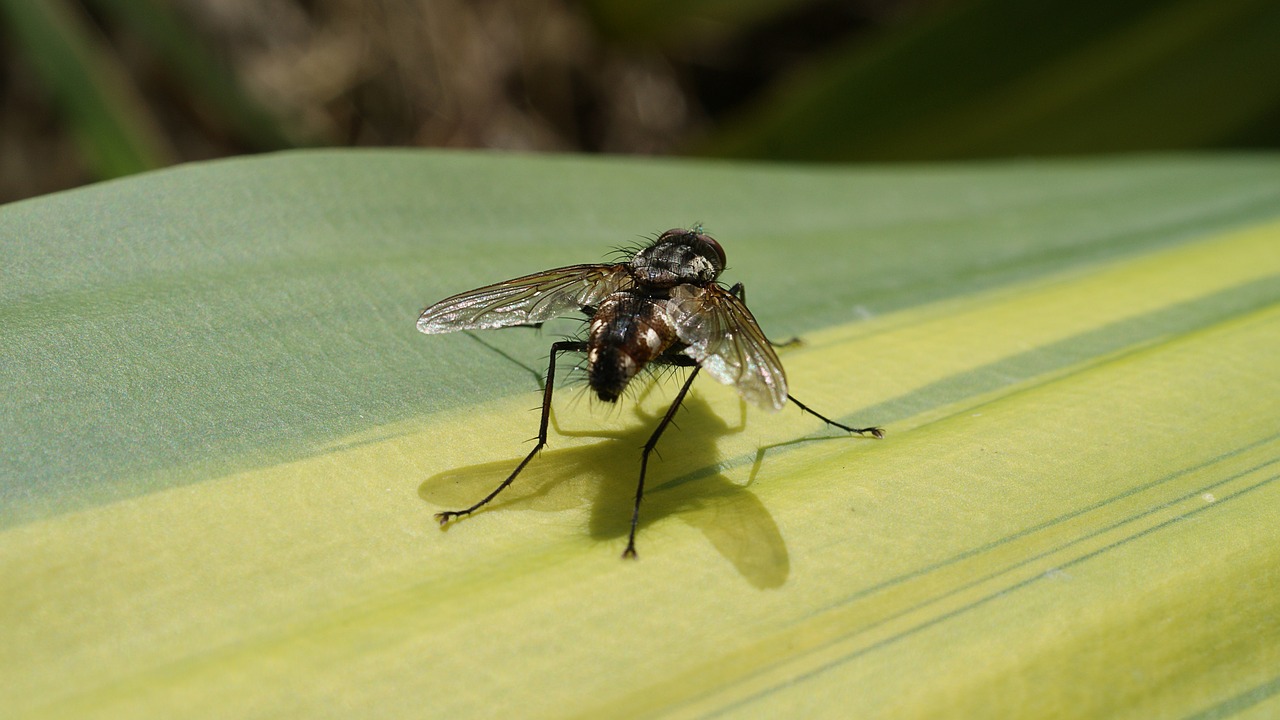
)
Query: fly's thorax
[
  {"x": 678, "y": 257},
  {"x": 627, "y": 332}
]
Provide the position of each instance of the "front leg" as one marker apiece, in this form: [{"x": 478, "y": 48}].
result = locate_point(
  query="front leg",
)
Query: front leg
[{"x": 740, "y": 291}]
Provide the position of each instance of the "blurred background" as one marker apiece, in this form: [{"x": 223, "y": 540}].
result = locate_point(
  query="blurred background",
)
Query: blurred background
[{"x": 94, "y": 89}]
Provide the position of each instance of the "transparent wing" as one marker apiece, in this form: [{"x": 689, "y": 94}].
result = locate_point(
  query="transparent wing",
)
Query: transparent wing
[
  {"x": 525, "y": 300},
  {"x": 724, "y": 338}
]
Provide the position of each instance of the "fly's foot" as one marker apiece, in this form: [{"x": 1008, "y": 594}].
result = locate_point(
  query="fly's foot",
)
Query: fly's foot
[
  {"x": 444, "y": 517},
  {"x": 876, "y": 432},
  {"x": 630, "y": 553}
]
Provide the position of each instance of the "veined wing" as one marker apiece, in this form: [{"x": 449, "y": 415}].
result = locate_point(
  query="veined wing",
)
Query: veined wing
[
  {"x": 525, "y": 300},
  {"x": 724, "y": 338}
]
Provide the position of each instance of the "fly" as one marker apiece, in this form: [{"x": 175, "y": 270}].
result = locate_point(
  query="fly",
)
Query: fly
[{"x": 663, "y": 306}]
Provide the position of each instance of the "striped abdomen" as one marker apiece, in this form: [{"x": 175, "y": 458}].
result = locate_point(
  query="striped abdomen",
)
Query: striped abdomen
[{"x": 626, "y": 332}]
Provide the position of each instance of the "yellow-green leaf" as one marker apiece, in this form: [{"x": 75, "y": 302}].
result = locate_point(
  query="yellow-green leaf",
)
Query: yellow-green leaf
[{"x": 223, "y": 442}]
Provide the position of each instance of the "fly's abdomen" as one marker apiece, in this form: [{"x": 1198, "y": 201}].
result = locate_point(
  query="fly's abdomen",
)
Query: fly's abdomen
[{"x": 627, "y": 332}]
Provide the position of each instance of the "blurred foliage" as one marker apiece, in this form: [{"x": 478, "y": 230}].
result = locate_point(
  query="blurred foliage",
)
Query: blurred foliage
[
  {"x": 101, "y": 108},
  {"x": 673, "y": 19},
  {"x": 95, "y": 86},
  {"x": 208, "y": 82},
  {"x": 998, "y": 78},
  {"x": 100, "y": 88}
]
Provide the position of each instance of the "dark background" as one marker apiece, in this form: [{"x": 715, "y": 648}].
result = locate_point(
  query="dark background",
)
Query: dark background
[{"x": 93, "y": 89}]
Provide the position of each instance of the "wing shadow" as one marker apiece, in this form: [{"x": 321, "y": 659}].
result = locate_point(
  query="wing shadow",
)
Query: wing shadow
[{"x": 684, "y": 481}]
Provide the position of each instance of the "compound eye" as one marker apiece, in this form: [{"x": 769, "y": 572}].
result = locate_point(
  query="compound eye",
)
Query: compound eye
[
  {"x": 710, "y": 241},
  {"x": 670, "y": 235}
]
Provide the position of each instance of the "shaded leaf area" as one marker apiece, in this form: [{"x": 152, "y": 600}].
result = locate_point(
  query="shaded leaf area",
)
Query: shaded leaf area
[
  {"x": 1074, "y": 514},
  {"x": 178, "y": 325}
]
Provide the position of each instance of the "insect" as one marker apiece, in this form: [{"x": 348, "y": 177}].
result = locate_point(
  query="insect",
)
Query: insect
[{"x": 663, "y": 306}]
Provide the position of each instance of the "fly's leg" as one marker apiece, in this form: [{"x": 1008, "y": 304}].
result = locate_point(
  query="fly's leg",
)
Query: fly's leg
[
  {"x": 630, "y": 552},
  {"x": 874, "y": 431},
  {"x": 740, "y": 291},
  {"x": 556, "y": 348}
]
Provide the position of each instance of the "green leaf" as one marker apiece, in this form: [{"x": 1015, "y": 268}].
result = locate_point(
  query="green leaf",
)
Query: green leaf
[{"x": 223, "y": 442}]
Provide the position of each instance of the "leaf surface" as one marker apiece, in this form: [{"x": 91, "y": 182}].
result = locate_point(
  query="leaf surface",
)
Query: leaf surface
[{"x": 223, "y": 441}]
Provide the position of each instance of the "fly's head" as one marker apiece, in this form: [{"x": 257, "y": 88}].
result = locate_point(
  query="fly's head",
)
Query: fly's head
[{"x": 679, "y": 257}]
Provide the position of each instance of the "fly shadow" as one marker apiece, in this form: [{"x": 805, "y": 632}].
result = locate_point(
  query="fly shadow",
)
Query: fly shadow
[{"x": 684, "y": 481}]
